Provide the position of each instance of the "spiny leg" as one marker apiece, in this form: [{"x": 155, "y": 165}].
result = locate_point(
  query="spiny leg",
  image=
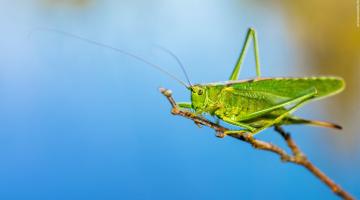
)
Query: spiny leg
[
  {"x": 279, "y": 118},
  {"x": 251, "y": 34},
  {"x": 259, "y": 113}
]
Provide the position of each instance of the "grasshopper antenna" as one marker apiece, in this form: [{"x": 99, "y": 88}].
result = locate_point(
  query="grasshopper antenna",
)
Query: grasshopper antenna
[
  {"x": 161, "y": 69},
  {"x": 172, "y": 54}
]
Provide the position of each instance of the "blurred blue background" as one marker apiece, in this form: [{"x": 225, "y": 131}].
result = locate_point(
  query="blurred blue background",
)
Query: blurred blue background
[{"x": 78, "y": 121}]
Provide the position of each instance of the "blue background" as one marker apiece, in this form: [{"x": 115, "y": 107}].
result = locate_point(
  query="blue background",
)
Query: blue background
[{"x": 78, "y": 121}]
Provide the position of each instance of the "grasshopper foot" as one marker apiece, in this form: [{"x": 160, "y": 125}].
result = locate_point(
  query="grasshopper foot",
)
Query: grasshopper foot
[
  {"x": 230, "y": 132},
  {"x": 220, "y": 134}
]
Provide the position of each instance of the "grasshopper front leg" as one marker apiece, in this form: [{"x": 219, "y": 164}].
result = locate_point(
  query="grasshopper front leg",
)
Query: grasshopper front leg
[{"x": 186, "y": 105}]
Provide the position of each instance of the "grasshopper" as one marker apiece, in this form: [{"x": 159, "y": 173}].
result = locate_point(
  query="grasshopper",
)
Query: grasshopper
[
  {"x": 252, "y": 105},
  {"x": 257, "y": 104}
]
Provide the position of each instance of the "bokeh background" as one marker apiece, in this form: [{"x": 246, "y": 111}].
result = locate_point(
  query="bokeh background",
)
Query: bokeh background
[{"x": 78, "y": 121}]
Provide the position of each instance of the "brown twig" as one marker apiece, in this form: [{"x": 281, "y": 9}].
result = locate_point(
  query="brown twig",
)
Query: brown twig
[{"x": 296, "y": 157}]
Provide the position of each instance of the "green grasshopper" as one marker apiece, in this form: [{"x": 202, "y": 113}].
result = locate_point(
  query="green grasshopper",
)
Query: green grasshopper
[
  {"x": 257, "y": 104},
  {"x": 253, "y": 105}
]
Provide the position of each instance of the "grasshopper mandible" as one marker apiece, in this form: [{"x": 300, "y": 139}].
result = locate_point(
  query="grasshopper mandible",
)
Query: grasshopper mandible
[
  {"x": 257, "y": 104},
  {"x": 253, "y": 105}
]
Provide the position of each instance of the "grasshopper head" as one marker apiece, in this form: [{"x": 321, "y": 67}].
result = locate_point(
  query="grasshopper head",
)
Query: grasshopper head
[{"x": 198, "y": 96}]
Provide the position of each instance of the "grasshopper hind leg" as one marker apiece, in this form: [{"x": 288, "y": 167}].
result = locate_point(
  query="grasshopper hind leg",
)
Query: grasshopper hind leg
[
  {"x": 251, "y": 35},
  {"x": 281, "y": 117},
  {"x": 297, "y": 120}
]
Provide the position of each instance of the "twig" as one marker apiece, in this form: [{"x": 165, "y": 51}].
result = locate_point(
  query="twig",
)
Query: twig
[
  {"x": 302, "y": 160},
  {"x": 297, "y": 156}
]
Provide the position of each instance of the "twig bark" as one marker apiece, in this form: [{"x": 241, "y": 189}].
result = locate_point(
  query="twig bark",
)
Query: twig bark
[{"x": 297, "y": 156}]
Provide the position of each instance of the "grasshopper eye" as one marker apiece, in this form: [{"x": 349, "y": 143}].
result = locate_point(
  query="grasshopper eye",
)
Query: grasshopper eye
[{"x": 200, "y": 92}]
